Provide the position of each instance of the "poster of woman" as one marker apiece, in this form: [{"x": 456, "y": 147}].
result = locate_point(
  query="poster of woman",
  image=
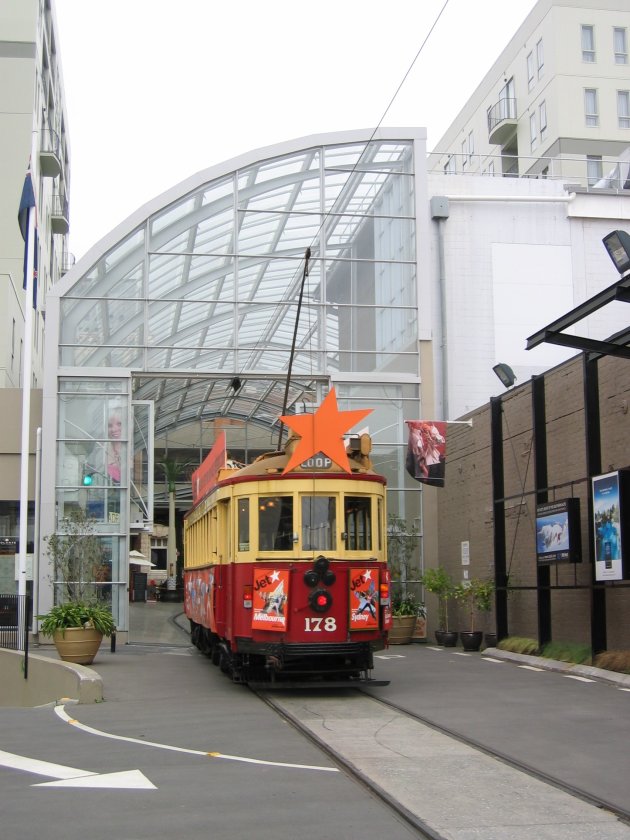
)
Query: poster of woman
[{"x": 426, "y": 451}]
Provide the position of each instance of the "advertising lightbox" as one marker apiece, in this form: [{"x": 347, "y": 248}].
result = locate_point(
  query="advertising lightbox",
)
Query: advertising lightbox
[
  {"x": 610, "y": 499},
  {"x": 558, "y": 532}
]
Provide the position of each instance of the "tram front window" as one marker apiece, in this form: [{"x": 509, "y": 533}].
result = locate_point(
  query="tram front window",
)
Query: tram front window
[
  {"x": 358, "y": 523},
  {"x": 319, "y": 523},
  {"x": 275, "y": 523}
]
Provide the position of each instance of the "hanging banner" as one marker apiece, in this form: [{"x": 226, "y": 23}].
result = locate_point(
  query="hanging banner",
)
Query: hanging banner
[
  {"x": 426, "y": 451},
  {"x": 364, "y": 588},
  {"x": 271, "y": 598},
  {"x": 206, "y": 475}
]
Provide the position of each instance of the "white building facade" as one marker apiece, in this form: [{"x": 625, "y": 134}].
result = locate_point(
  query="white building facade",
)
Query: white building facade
[
  {"x": 555, "y": 104},
  {"x": 33, "y": 129}
]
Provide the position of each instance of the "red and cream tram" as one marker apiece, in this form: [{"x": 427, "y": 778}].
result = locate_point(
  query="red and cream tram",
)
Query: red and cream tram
[{"x": 285, "y": 570}]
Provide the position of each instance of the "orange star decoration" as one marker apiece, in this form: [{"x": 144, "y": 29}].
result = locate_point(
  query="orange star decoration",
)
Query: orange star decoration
[{"x": 323, "y": 432}]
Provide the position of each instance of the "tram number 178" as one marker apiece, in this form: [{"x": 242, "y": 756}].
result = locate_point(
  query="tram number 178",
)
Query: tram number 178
[{"x": 316, "y": 625}]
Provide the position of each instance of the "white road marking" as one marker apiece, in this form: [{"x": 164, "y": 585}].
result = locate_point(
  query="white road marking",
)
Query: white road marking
[
  {"x": 575, "y": 677},
  {"x": 72, "y": 776},
  {"x": 530, "y": 668},
  {"x": 61, "y": 712},
  {"x": 460, "y": 653},
  {"x": 492, "y": 659},
  {"x": 624, "y": 689},
  {"x": 439, "y": 649},
  {"x": 389, "y": 656}
]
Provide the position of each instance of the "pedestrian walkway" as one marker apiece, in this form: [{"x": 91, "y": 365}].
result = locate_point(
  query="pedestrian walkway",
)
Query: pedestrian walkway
[{"x": 158, "y": 623}]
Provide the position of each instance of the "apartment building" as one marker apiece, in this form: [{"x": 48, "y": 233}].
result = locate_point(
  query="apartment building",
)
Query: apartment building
[
  {"x": 33, "y": 130},
  {"x": 555, "y": 104}
]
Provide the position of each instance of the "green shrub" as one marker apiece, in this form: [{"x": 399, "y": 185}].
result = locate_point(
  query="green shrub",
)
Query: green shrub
[
  {"x": 518, "y": 644},
  {"x": 577, "y": 654}
]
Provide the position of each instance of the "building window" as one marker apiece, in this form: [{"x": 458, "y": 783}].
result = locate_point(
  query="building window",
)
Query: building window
[
  {"x": 450, "y": 167},
  {"x": 593, "y": 169},
  {"x": 464, "y": 155},
  {"x": 542, "y": 119},
  {"x": 590, "y": 106},
  {"x": 540, "y": 59},
  {"x": 530, "y": 71},
  {"x": 491, "y": 168},
  {"x": 533, "y": 137},
  {"x": 620, "y": 45},
  {"x": 588, "y": 44},
  {"x": 471, "y": 147},
  {"x": 623, "y": 108}
]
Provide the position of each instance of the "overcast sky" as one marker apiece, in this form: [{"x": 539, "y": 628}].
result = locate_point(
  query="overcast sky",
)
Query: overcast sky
[{"x": 157, "y": 90}]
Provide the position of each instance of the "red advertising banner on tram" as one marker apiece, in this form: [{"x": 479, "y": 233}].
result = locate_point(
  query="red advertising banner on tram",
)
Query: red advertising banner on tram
[
  {"x": 271, "y": 599},
  {"x": 364, "y": 598}
]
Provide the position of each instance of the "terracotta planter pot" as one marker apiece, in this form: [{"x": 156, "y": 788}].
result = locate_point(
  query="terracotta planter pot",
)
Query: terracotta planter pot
[
  {"x": 402, "y": 629},
  {"x": 78, "y": 644}
]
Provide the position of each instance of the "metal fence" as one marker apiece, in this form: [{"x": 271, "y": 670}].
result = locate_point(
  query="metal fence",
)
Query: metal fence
[{"x": 15, "y": 618}]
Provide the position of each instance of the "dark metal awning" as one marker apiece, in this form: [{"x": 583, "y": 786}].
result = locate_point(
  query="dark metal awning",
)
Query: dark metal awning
[{"x": 615, "y": 345}]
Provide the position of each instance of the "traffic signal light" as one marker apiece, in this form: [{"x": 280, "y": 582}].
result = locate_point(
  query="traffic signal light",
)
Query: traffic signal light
[{"x": 88, "y": 475}]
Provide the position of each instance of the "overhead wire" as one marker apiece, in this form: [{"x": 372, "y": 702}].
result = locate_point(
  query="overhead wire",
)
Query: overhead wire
[{"x": 353, "y": 170}]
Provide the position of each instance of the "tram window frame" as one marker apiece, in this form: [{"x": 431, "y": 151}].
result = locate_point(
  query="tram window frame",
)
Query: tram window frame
[
  {"x": 360, "y": 513},
  {"x": 275, "y": 523},
  {"x": 311, "y": 535},
  {"x": 244, "y": 527}
]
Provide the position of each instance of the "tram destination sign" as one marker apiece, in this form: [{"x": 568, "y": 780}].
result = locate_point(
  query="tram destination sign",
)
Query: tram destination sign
[{"x": 317, "y": 462}]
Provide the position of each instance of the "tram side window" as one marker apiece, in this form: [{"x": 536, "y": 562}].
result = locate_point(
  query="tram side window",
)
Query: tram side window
[
  {"x": 358, "y": 523},
  {"x": 275, "y": 523},
  {"x": 319, "y": 523},
  {"x": 243, "y": 524}
]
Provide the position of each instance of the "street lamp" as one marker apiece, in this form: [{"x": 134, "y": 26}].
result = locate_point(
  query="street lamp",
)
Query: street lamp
[
  {"x": 617, "y": 244},
  {"x": 505, "y": 374}
]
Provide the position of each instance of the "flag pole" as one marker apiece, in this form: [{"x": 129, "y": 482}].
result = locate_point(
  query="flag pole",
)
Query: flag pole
[
  {"x": 30, "y": 204},
  {"x": 26, "y": 402}
]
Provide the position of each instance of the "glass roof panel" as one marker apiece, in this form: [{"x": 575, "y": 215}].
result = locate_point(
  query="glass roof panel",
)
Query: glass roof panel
[{"x": 216, "y": 289}]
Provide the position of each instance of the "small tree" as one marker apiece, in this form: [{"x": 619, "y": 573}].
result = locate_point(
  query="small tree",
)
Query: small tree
[
  {"x": 476, "y": 596},
  {"x": 77, "y": 556},
  {"x": 439, "y": 583}
]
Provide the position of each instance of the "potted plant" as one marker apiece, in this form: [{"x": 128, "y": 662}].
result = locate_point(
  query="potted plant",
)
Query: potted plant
[
  {"x": 476, "y": 596},
  {"x": 439, "y": 583},
  {"x": 77, "y": 629},
  {"x": 80, "y": 617},
  {"x": 405, "y": 611}
]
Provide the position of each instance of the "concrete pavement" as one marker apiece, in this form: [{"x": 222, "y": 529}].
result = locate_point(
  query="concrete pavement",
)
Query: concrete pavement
[{"x": 448, "y": 789}]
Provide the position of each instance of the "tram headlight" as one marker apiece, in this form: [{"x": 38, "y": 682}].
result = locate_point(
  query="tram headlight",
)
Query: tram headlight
[
  {"x": 311, "y": 578},
  {"x": 320, "y": 600}
]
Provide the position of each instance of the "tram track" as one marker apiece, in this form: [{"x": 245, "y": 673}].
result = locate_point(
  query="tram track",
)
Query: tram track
[
  {"x": 423, "y": 831},
  {"x": 315, "y": 716},
  {"x": 524, "y": 767}
]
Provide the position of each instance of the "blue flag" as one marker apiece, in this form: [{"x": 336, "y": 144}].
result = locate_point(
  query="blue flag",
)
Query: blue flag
[{"x": 27, "y": 205}]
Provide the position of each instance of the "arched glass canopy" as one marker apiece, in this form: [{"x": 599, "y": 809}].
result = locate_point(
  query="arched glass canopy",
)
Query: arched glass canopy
[
  {"x": 208, "y": 285},
  {"x": 189, "y": 307}
]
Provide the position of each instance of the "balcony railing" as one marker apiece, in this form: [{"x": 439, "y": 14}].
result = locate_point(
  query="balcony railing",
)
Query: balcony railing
[
  {"x": 49, "y": 153},
  {"x": 59, "y": 215},
  {"x": 570, "y": 170},
  {"x": 501, "y": 121}
]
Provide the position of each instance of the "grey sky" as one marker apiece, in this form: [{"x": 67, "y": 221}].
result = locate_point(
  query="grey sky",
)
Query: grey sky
[{"x": 158, "y": 90}]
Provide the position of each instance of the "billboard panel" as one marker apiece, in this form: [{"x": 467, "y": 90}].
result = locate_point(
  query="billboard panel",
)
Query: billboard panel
[
  {"x": 558, "y": 532},
  {"x": 607, "y": 502}
]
